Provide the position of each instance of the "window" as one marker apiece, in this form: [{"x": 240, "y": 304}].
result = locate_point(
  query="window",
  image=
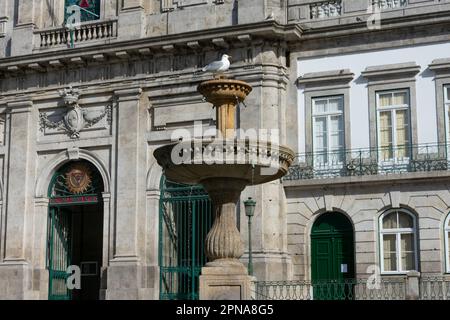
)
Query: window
[
  {"x": 398, "y": 242},
  {"x": 393, "y": 125},
  {"x": 89, "y": 9},
  {"x": 447, "y": 111},
  {"x": 447, "y": 243},
  {"x": 328, "y": 130}
]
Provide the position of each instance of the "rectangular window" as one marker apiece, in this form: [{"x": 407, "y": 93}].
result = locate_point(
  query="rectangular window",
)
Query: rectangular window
[
  {"x": 328, "y": 130},
  {"x": 393, "y": 125},
  {"x": 447, "y": 110},
  {"x": 390, "y": 252},
  {"x": 88, "y": 9}
]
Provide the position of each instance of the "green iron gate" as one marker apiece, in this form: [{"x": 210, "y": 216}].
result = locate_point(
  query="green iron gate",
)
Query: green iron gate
[
  {"x": 184, "y": 221},
  {"x": 59, "y": 253},
  {"x": 76, "y": 183}
]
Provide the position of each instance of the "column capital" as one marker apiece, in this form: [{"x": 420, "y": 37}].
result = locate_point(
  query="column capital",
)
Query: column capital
[
  {"x": 128, "y": 94},
  {"x": 41, "y": 201},
  {"x": 20, "y": 106}
]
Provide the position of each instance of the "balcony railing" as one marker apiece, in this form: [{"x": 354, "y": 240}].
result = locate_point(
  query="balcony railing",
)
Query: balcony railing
[
  {"x": 377, "y": 161},
  {"x": 435, "y": 288},
  {"x": 325, "y": 9},
  {"x": 389, "y": 4},
  {"x": 87, "y": 32},
  {"x": 350, "y": 289}
]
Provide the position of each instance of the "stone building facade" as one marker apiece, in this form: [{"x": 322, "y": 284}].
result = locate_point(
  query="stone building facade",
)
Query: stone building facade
[{"x": 81, "y": 112}]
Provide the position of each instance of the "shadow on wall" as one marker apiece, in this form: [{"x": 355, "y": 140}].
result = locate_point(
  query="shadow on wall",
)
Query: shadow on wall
[{"x": 234, "y": 13}]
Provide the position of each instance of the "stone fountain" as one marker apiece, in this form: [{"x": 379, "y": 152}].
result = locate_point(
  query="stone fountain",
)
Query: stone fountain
[{"x": 224, "y": 166}]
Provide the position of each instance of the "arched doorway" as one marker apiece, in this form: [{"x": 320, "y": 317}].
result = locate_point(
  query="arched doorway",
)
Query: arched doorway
[
  {"x": 184, "y": 221},
  {"x": 75, "y": 230},
  {"x": 332, "y": 256}
]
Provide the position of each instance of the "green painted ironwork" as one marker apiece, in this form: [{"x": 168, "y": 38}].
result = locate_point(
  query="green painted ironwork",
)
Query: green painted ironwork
[
  {"x": 59, "y": 231},
  {"x": 348, "y": 289},
  {"x": 374, "y": 161},
  {"x": 435, "y": 288},
  {"x": 184, "y": 221},
  {"x": 59, "y": 258}
]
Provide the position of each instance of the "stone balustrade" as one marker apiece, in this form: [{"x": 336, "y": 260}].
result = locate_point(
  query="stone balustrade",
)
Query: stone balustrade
[
  {"x": 325, "y": 9},
  {"x": 389, "y": 4},
  {"x": 87, "y": 32}
]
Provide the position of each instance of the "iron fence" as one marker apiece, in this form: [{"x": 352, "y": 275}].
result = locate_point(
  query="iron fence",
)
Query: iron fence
[
  {"x": 374, "y": 161},
  {"x": 435, "y": 288},
  {"x": 349, "y": 289}
]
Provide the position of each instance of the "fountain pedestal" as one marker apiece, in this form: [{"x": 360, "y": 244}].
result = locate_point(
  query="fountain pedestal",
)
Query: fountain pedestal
[
  {"x": 224, "y": 277},
  {"x": 224, "y": 166}
]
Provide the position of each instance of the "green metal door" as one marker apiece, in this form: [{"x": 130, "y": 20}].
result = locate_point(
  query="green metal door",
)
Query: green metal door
[
  {"x": 332, "y": 257},
  {"x": 184, "y": 221},
  {"x": 60, "y": 248}
]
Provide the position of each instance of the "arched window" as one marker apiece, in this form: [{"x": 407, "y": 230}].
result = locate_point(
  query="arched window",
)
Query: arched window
[
  {"x": 398, "y": 241},
  {"x": 447, "y": 243}
]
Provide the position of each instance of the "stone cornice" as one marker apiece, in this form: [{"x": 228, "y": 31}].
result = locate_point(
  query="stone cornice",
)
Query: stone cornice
[
  {"x": 359, "y": 26},
  {"x": 316, "y": 78},
  {"x": 399, "y": 70},
  {"x": 236, "y": 36},
  {"x": 440, "y": 66}
]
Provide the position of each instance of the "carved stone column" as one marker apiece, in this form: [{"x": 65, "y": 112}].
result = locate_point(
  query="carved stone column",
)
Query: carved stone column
[{"x": 223, "y": 243}]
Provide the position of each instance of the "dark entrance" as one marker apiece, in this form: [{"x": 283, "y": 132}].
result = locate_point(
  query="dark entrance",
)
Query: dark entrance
[
  {"x": 332, "y": 257},
  {"x": 75, "y": 232}
]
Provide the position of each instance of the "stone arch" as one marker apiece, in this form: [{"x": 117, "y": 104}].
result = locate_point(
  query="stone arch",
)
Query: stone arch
[
  {"x": 62, "y": 158},
  {"x": 154, "y": 175}
]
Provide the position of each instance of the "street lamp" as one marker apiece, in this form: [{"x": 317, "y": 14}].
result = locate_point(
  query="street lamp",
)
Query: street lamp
[{"x": 249, "y": 212}]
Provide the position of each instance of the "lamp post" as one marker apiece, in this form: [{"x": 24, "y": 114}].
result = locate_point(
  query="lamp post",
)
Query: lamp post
[{"x": 249, "y": 212}]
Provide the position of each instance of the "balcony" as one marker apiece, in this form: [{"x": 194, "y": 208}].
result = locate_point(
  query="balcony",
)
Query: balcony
[
  {"x": 365, "y": 162},
  {"x": 87, "y": 33},
  {"x": 325, "y": 9},
  {"x": 389, "y": 4}
]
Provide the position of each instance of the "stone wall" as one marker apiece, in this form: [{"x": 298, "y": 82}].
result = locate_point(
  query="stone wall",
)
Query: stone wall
[{"x": 363, "y": 203}]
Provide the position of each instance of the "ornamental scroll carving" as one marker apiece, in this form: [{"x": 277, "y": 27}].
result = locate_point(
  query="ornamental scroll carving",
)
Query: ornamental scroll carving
[{"x": 76, "y": 118}]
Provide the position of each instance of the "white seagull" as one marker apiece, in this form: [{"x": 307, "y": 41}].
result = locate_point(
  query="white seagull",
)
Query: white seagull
[{"x": 218, "y": 66}]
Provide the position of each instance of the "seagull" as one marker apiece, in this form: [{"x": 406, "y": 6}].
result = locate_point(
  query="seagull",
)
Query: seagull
[{"x": 218, "y": 66}]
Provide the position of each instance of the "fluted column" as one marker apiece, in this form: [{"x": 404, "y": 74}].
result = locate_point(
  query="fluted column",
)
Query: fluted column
[{"x": 223, "y": 243}]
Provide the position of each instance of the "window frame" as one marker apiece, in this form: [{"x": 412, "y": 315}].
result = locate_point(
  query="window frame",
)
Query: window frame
[
  {"x": 447, "y": 243},
  {"x": 101, "y": 13},
  {"x": 328, "y": 115},
  {"x": 393, "y": 112},
  {"x": 446, "y": 89},
  {"x": 398, "y": 232}
]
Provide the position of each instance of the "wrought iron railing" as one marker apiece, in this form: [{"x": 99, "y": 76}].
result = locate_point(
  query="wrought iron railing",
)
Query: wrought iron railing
[
  {"x": 374, "y": 161},
  {"x": 349, "y": 289},
  {"x": 435, "y": 288}
]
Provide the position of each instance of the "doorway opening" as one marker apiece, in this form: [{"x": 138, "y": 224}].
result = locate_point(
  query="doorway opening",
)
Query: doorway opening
[
  {"x": 332, "y": 257},
  {"x": 75, "y": 231}
]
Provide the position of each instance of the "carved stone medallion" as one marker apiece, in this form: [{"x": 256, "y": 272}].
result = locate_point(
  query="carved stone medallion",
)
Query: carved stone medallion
[{"x": 78, "y": 178}]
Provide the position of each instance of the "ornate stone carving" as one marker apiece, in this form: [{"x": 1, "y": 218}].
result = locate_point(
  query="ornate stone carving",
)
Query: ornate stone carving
[
  {"x": 76, "y": 119},
  {"x": 326, "y": 9}
]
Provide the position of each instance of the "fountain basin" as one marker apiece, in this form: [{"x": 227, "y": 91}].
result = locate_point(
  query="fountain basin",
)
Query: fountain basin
[{"x": 256, "y": 162}]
